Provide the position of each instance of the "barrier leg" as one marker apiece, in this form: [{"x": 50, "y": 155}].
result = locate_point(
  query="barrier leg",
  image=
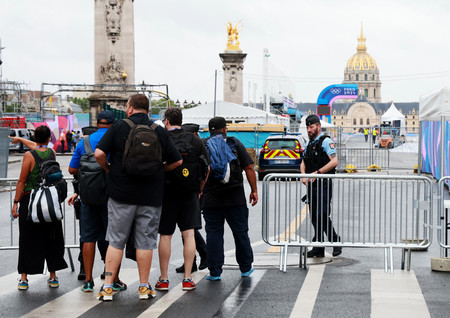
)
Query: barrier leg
[
  {"x": 408, "y": 266},
  {"x": 281, "y": 257},
  {"x": 300, "y": 261},
  {"x": 386, "y": 260},
  {"x": 391, "y": 255},
  {"x": 70, "y": 260},
  {"x": 285, "y": 258},
  {"x": 402, "y": 267}
]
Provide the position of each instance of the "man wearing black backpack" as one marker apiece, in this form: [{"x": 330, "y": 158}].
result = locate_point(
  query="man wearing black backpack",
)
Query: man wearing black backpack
[
  {"x": 139, "y": 151},
  {"x": 223, "y": 199},
  {"x": 187, "y": 182},
  {"x": 92, "y": 191}
]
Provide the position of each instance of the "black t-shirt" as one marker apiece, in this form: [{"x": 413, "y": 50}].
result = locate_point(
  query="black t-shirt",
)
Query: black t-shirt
[
  {"x": 212, "y": 198},
  {"x": 120, "y": 186}
]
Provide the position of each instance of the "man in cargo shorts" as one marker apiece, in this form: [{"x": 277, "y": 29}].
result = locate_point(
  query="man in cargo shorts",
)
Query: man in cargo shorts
[{"x": 133, "y": 202}]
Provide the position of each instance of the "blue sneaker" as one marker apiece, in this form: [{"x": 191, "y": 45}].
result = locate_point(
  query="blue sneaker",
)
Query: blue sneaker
[
  {"x": 119, "y": 286},
  {"x": 210, "y": 277},
  {"x": 88, "y": 287},
  {"x": 23, "y": 284},
  {"x": 53, "y": 282},
  {"x": 247, "y": 274}
]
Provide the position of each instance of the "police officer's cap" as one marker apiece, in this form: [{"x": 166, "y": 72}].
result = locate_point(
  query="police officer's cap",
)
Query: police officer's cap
[{"x": 312, "y": 119}]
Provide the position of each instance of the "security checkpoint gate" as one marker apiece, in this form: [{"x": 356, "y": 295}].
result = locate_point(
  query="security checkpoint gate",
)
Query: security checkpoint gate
[{"x": 366, "y": 211}]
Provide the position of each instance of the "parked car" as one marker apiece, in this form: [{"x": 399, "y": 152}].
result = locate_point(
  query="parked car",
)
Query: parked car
[
  {"x": 280, "y": 153},
  {"x": 19, "y": 132}
]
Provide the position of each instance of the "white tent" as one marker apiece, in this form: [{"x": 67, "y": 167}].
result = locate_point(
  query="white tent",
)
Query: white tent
[
  {"x": 396, "y": 118},
  {"x": 231, "y": 112},
  {"x": 435, "y": 105}
]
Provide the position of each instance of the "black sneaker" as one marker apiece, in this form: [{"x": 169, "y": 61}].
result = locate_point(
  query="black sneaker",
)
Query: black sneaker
[
  {"x": 203, "y": 264},
  {"x": 337, "y": 250},
  {"x": 181, "y": 268},
  {"x": 82, "y": 274},
  {"x": 316, "y": 252}
]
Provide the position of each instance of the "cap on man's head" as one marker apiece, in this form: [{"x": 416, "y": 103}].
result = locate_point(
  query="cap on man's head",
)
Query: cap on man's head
[
  {"x": 193, "y": 128},
  {"x": 217, "y": 123},
  {"x": 106, "y": 117},
  {"x": 312, "y": 119}
]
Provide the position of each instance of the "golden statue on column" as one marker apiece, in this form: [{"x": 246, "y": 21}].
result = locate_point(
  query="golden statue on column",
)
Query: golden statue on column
[{"x": 233, "y": 37}]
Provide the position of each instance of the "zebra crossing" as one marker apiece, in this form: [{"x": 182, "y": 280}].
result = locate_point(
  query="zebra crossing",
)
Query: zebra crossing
[{"x": 266, "y": 293}]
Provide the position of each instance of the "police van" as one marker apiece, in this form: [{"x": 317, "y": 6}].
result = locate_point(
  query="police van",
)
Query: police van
[{"x": 280, "y": 153}]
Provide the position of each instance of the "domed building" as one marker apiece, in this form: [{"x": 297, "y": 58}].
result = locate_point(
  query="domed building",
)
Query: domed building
[
  {"x": 367, "y": 109},
  {"x": 362, "y": 70}
]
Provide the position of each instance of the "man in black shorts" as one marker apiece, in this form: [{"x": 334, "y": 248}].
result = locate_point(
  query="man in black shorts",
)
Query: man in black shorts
[{"x": 181, "y": 198}]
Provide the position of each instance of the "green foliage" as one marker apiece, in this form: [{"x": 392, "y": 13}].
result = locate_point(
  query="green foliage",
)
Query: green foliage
[{"x": 83, "y": 103}]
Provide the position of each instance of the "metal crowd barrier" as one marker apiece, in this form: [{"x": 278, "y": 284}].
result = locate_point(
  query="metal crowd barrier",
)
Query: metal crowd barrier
[
  {"x": 69, "y": 222},
  {"x": 367, "y": 211},
  {"x": 443, "y": 222},
  {"x": 362, "y": 158}
]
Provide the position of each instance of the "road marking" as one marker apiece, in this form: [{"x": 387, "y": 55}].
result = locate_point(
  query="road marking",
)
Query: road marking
[
  {"x": 292, "y": 228},
  {"x": 397, "y": 295},
  {"x": 10, "y": 282},
  {"x": 163, "y": 303},
  {"x": 239, "y": 295},
  {"x": 307, "y": 296},
  {"x": 76, "y": 302}
]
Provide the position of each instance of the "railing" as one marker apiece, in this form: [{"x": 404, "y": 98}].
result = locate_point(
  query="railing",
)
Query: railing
[
  {"x": 362, "y": 158},
  {"x": 366, "y": 211},
  {"x": 442, "y": 221},
  {"x": 10, "y": 241}
]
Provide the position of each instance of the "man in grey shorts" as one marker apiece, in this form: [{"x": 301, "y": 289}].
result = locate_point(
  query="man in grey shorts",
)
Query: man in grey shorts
[{"x": 133, "y": 202}]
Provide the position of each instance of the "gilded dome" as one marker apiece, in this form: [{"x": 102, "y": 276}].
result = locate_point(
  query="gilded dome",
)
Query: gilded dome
[{"x": 361, "y": 60}]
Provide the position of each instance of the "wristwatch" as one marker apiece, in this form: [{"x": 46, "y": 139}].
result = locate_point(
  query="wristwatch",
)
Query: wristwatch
[{"x": 16, "y": 201}]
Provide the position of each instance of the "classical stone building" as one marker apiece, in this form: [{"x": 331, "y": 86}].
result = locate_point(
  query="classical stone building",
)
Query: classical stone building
[
  {"x": 366, "y": 110},
  {"x": 362, "y": 70}
]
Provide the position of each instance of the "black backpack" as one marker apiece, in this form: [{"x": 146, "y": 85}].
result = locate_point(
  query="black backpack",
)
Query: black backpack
[
  {"x": 50, "y": 174},
  {"x": 189, "y": 174},
  {"x": 142, "y": 155},
  {"x": 91, "y": 177}
]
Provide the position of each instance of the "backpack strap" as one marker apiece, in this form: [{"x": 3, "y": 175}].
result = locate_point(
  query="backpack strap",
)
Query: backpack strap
[
  {"x": 87, "y": 145},
  {"x": 37, "y": 158},
  {"x": 129, "y": 122}
]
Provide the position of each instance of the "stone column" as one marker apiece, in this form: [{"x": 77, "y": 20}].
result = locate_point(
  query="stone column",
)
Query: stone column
[
  {"x": 233, "y": 86},
  {"x": 113, "y": 52}
]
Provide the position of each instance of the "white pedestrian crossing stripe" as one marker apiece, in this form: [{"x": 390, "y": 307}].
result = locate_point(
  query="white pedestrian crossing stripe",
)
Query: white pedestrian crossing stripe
[
  {"x": 397, "y": 295},
  {"x": 10, "y": 282},
  {"x": 76, "y": 302},
  {"x": 169, "y": 298}
]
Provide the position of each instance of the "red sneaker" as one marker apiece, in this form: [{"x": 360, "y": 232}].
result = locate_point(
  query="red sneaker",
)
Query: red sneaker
[
  {"x": 188, "y": 284},
  {"x": 162, "y": 284}
]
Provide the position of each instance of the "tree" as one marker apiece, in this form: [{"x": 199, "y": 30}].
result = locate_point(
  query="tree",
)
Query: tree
[{"x": 82, "y": 102}]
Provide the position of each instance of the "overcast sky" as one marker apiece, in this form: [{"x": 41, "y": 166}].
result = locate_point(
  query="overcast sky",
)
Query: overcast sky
[{"x": 178, "y": 43}]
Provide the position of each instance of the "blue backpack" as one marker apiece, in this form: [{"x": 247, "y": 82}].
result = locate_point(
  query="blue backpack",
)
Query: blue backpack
[{"x": 225, "y": 165}]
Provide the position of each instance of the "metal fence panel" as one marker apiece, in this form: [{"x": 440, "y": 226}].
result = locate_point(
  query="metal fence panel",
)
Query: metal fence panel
[
  {"x": 4, "y": 151},
  {"x": 366, "y": 211},
  {"x": 9, "y": 240},
  {"x": 443, "y": 220},
  {"x": 362, "y": 158}
]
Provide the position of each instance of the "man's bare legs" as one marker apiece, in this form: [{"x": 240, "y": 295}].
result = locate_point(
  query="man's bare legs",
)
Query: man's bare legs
[{"x": 188, "y": 251}]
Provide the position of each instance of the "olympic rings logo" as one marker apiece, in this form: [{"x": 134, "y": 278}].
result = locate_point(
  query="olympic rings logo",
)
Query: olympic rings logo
[{"x": 335, "y": 91}]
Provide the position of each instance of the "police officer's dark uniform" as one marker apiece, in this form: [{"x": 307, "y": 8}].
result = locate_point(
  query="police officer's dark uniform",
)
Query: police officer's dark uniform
[{"x": 320, "y": 192}]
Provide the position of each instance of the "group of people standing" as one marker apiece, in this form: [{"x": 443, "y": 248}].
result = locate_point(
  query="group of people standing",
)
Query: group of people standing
[{"x": 138, "y": 209}]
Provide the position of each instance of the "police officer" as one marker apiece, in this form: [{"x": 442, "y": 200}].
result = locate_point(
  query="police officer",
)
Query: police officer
[{"x": 320, "y": 158}]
